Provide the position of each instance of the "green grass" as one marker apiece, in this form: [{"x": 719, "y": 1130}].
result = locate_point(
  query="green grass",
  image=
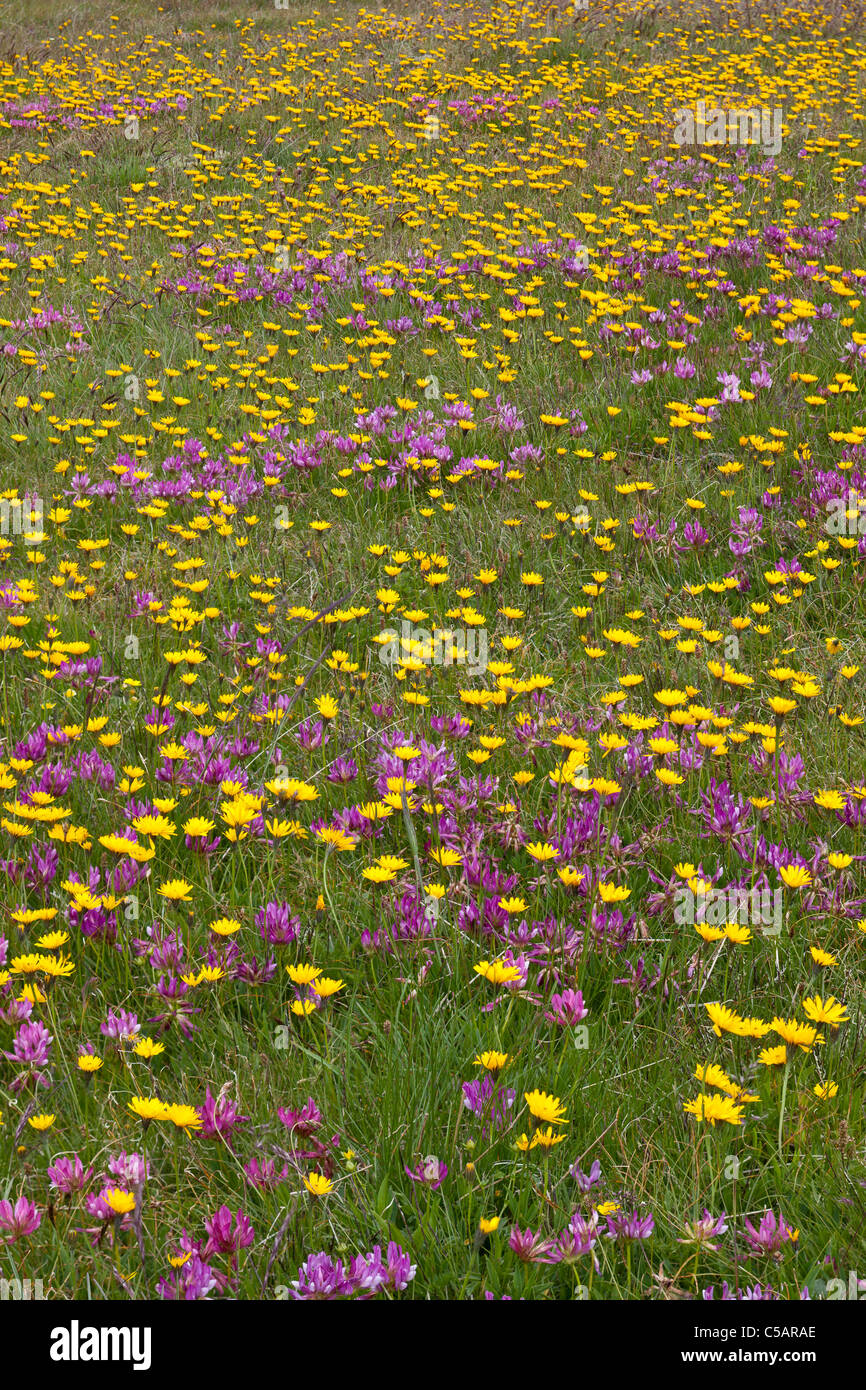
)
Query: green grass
[{"x": 385, "y": 1059}]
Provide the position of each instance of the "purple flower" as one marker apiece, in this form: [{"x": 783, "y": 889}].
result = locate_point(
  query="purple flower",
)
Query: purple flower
[
  {"x": 30, "y": 1045},
  {"x": 622, "y": 1226},
  {"x": 120, "y": 1025},
  {"x": 320, "y": 1277},
  {"x": 770, "y": 1236},
  {"x": 30, "y": 1050},
  {"x": 368, "y": 1273},
  {"x": 219, "y": 1116},
  {"x": 194, "y": 1280},
  {"x": 343, "y": 770},
  {"x": 567, "y": 1008},
  {"x": 431, "y": 1171},
  {"x": 493, "y": 1103},
  {"x": 130, "y": 1169},
  {"x": 729, "y": 1295},
  {"x": 730, "y": 387},
  {"x": 401, "y": 1270},
  {"x": 69, "y": 1175},
  {"x": 586, "y": 1181},
  {"x": 579, "y": 1238},
  {"x": 277, "y": 925},
  {"x": 227, "y": 1234},
  {"x": 532, "y": 1249},
  {"x": 304, "y": 1121},
  {"x": 263, "y": 1173},
  {"x": 761, "y": 379},
  {"x": 21, "y": 1220},
  {"x": 701, "y": 1232}
]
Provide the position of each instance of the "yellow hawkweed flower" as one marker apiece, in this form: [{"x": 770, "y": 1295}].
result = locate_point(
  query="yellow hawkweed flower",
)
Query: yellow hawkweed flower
[
  {"x": 828, "y": 1011},
  {"x": 715, "y": 1109},
  {"x": 493, "y": 1061},
  {"x": 120, "y": 1201},
  {"x": 317, "y": 1184},
  {"x": 547, "y": 1109},
  {"x": 497, "y": 972}
]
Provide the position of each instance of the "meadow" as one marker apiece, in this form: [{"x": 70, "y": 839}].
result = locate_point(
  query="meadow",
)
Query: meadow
[{"x": 432, "y": 555}]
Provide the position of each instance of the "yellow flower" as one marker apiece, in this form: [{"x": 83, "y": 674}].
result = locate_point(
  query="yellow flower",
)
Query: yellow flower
[
  {"x": 88, "y": 1063},
  {"x": 26, "y": 965},
  {"x": 148, "y": 1108},
  {"x": 225, "y": 926},
  {"x": 548, "y": 1109},
  {"x": 52, "y": 941},
  {"x": 756, "y": 1028},
  {"x": 302, "y": 974},
  {"x": 668, "y": 777},
  {"x": 828, "y": 1011},
  {"x": 184, "y": 1116},
  {"x": 794, "y": 876},
  {"x": 513, "y": 906},
  {"x": 709, "y": 933},
  {"x": 822, "y": 958},
  {"x": 829, "y": 800},
  {"x": 197, "y": 827},
  {"x": 493, "y": 1061},
  {"x": 392, "y": 862},
  {"x": 337, "y": 839},
  {"x": 569, "y": 877},
  {"x": 545, "y": 1138},
  {"x": 158, "y": 827},
  {"x": 794, "y": 1032},
  {"x": 826, "y": 1090},
  {"x": 290, "y": 789},
  {"x": 774, "y": 1056},
  {"x": 669, "y": 698},
  {"x": 56, "y": 968},
  {"x": 488, "y": 1224},
  {"x": 324, "y": 987},
  {"x": 497, "y": 972},
  {"x": 41, "y": 1122},
  {"x": 176, "y": 890},
  {"x": 327, "y": 706},
  {"x": 737, "y": 934},
  {"x": 715, "y": 1109},
  {"x": 839, "y": 861},
  {"x": 119, "y": 845},
  {"x": 712, "y": 1075},
  {"x": 120, "y": 1202},
  {"x": 780, "y": 705},
  {"x": 318, "y": 1185},
  {"x": 613, "y": 892},
  {"x": 541, "y": 852}
]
